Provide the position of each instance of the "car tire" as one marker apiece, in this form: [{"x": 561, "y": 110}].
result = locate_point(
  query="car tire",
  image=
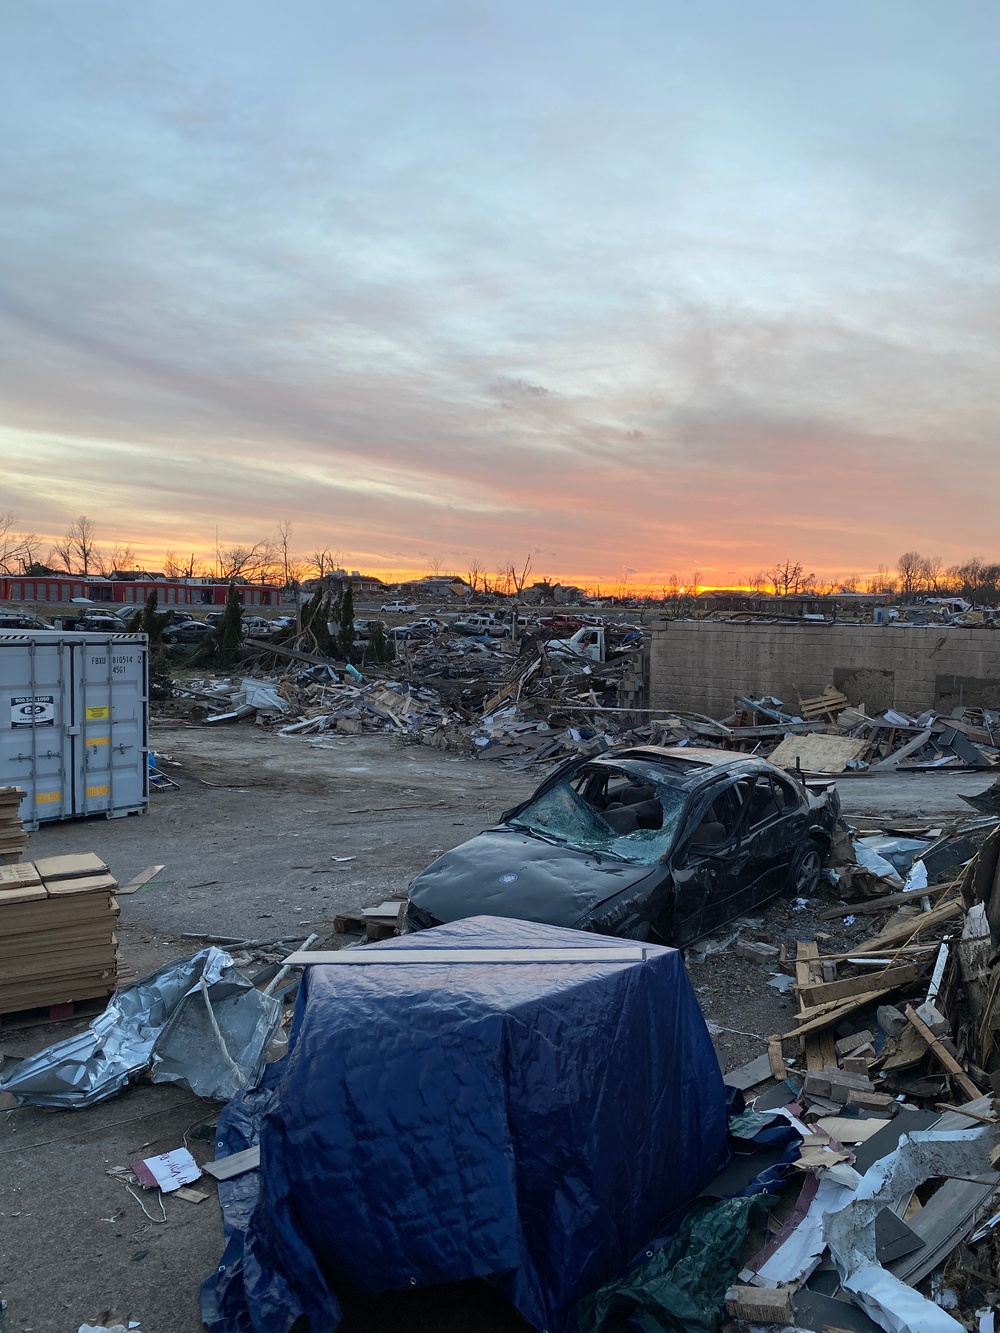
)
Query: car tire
[{"x": 805, "y": 870}]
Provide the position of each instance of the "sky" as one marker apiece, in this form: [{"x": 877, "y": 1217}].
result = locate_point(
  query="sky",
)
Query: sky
[{"x": 637, "y": 289}]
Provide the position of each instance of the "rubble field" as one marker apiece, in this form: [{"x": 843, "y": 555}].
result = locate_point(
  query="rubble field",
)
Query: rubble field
[{"x": 264, "y": 840}]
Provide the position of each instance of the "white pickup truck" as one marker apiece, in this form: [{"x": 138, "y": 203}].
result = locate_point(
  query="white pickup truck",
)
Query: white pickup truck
[{"x": 399, "y": 608}]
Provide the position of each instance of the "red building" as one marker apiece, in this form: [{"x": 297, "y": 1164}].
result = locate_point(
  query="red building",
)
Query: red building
[{"x": 132, "y": 590}]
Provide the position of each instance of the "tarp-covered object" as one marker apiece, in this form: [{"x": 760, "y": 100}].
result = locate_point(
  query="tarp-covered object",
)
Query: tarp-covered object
[{"x": 531, "y": 1123}]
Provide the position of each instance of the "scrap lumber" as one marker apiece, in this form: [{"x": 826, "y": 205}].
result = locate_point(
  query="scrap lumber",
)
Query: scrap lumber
[
  {"x": 818, "y": 1050},
  {"x": 812, "y": 997},
  {"x": 833, "y": 1016},
  {"x": 749, "y": 1075},
  {"x": 943, "y": 1055},
  {"x": 224, "y": 1168},
  {"x": 817, "y": 753},
  {"x": 775, "y": 1058},
  {"x": 137, "y": 881},
  {"x": 827, "y": 704},
  {"x": 870, "y": 905},
  {"x": 906, "y": 931}
]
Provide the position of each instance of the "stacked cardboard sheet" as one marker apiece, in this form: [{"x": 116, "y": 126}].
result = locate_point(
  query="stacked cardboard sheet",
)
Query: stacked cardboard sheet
[
  {"x": 57, "y": 931},
  {"x": 13, "y": 839}
]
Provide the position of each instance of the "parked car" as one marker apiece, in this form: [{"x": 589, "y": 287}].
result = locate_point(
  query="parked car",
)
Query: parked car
[
  {"x": 399, "y": 608},
  {"x": 22, "y": 620},
  {"x": 100, "y": 622},
  {"x": 189, "y": 631},
  {"x": 257, "y": 627},
  {"x": 649, "y": 842}
]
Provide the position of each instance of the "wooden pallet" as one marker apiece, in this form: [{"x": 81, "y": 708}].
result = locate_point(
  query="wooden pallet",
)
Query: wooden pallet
[{"x": 54, "y": 1013}]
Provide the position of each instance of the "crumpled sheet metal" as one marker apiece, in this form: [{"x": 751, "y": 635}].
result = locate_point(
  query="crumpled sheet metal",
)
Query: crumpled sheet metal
[
  {"x": 850, "y": 1233},
  {"x": 163, "y": 1019}
]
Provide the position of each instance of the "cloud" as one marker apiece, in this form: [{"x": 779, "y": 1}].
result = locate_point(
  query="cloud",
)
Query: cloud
[{"x": 438, "y": 282}]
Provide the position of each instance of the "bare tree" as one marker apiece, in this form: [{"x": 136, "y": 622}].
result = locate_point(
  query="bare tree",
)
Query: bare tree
[
  {"x": 757, "y": 582},
  {"x": 325, "y": 561},
  {"x": 76, "y": 550},
  {"x": 789, "y": 578},
  {"x": 910, "y": 566},
  {"x": 931, "y": 573},
  {"x": 475, "y": 574},
  {"x": 881, "y": 581},
  {"x": 176, "y": 567},
  {"x": 517, "y": 579},
  {"x": 109, "y": 562},
  {"x": 435, "y": 565},
  {"x": 18, "y": 550},
  {"x": 977, "y": 581},
  {"x": 283, "y": 545},
  {"x": 851, "y": 583},
  {"x": 254, "y": 563}
]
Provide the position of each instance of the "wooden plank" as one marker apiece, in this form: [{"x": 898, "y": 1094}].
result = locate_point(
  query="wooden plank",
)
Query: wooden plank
[
  {"x": 776, "y": 1059},
  {"x": 906, "y": 930},
  {"x": 484, "y": 957},
  {"x": 809, "y": 972},
  {"x": 234, "y": 1165},
  {"x": 822, "y": 1046},
  {"x": 834, "y": 1016},
  {"x": 891, "y": 979},
  {"x": 137, "y": 881},
  {"x": 943, "y": 1055},
  {"x": 749, "y": 1075}
]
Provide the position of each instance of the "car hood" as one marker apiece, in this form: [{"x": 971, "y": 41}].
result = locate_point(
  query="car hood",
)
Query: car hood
[{"x": 505, "y": 872}]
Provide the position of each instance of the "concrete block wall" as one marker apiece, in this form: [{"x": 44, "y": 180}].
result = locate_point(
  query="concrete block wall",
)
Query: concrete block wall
[{"x": 702, "y": 666}]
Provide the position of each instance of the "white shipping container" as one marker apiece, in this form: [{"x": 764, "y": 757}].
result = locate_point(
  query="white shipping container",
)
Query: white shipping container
[{"x": 74, "y": 718}]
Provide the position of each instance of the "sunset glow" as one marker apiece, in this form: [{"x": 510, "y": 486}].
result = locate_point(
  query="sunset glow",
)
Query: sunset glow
[{"x": 651, "y": 292}]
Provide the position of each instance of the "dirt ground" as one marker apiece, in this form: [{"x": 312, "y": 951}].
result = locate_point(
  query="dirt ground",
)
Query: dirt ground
[{"x": 248, "y": 841}]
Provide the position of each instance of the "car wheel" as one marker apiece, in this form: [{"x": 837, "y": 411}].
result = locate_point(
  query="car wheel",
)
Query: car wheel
[{"x": 806, "y": 868}]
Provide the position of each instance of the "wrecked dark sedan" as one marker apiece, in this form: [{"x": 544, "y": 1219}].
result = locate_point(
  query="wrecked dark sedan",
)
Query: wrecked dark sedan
[{"x": 648, "y": 843}]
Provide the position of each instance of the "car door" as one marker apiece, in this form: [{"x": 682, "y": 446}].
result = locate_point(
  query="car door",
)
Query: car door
[
  {"x": 765, "y": 842},
  {"x": 706, "y": 868}
]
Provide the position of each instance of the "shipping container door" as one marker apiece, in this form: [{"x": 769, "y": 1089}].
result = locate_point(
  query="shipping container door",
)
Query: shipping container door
[
  {"x": 36, "y": 731},
  {"x": 112, "y": 702}
]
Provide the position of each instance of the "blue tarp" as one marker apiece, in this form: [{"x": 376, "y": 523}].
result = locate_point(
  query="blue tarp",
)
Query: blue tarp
[{"x": 533, "y": 1124}]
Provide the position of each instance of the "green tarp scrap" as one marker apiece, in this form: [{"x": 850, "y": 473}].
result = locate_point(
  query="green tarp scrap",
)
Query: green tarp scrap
[{"x": 682, "y": 1289}]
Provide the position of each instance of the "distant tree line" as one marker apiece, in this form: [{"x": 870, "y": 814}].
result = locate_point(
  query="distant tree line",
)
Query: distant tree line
[{"x": 272, "y": 560}]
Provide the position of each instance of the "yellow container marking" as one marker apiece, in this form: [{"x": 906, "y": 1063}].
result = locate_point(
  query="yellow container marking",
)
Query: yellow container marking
[
  {"x": 98, "y": 791},
  {"x": 98, "y": 740},
  {"x": 47, "y": 797},
  {"x": 98, "y": 714}
]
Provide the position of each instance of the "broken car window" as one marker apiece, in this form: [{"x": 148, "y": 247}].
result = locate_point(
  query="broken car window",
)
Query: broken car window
[
  {"x": 719, "y": 820},
  {"x": 635, "y": 820}
]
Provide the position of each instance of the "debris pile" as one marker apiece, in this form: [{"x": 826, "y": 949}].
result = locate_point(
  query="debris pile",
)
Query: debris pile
[
  {"x": 889, "y": 1076},
  {"x": 535, "y": 700}
]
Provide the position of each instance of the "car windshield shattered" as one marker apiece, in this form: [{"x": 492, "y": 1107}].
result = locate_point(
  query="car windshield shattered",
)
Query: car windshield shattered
[{"x": 627, "y": 812}]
